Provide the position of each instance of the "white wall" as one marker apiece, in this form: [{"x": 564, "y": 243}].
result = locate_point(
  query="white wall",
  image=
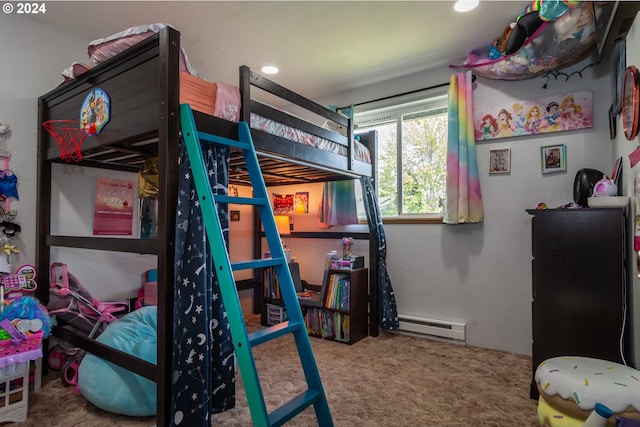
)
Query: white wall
[
  {"x": 107, "y": 275},
  {"x": 310, "y": 253},
  {"x": 480, "y": 274},
  {"x": 33, "y": 56}
]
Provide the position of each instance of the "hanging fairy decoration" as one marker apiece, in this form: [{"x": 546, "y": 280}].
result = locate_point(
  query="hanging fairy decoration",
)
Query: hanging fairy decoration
[
  {"x": 5, "y": 132},
  {"x": 9, "y": 230}
]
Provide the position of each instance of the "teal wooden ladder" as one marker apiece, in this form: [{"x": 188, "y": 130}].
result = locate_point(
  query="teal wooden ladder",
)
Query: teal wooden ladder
[{"x": 244, "y": 342}]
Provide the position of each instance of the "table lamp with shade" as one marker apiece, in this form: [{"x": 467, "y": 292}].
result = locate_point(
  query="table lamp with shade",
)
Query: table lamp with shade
[{"x": 282, "y": 223}]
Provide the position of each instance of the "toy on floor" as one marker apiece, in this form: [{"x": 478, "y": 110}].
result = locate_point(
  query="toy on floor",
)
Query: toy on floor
[
  {"x": 72, "y": 304},
  {"x": 571, "y": 387},
  {"x": 599, "y": 417},
  {"x": 113, "y": 388}
]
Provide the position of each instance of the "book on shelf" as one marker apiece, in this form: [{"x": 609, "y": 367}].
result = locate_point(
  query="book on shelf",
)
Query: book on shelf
[
  {"x": 328, "y": 324},
  {"x": 319, "y": 322},
  {"x": 337, "y": 291},
  {"x": 271, "y": 284},
  {"x": 345, "y": 297},
  {"x": 341, "y": 323}
]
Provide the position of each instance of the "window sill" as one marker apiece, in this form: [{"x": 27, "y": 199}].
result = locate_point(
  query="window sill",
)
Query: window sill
[{"x": 413, "y": 220}]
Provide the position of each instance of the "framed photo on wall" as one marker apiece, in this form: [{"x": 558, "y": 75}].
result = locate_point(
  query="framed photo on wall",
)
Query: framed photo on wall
[
  {"x": 500, "y": 160},
  {"x": 553, "y": 158}
]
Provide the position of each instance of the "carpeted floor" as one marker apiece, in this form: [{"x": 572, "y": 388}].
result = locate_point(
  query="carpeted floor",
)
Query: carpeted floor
[{"x": 392, "y": 380}]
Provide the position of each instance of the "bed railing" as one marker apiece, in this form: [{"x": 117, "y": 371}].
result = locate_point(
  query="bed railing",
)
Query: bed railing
[{"x": 249, "y": 78}]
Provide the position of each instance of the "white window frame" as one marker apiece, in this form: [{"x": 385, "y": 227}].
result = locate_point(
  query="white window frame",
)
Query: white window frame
[{"x": 393, "y": 110}]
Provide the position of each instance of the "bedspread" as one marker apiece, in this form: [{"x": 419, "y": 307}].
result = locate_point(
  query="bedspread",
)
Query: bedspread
[{"x": 273, "y": 127}]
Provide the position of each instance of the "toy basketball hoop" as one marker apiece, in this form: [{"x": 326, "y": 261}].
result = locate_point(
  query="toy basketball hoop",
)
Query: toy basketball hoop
[{"x": 69, "y": 135}]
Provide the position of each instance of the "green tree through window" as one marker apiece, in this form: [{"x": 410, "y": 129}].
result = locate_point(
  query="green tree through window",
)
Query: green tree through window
[{"x": 412, "y": 144}]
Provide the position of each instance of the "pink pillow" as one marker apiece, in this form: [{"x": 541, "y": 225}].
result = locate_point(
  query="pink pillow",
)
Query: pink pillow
[
  {"x": 74, "y": 70},
  {"x": 227, "y": 102}
]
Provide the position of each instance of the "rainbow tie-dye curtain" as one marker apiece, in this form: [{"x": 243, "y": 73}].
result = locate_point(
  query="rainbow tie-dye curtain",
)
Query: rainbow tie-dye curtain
[{"x": 464, "y": 199}]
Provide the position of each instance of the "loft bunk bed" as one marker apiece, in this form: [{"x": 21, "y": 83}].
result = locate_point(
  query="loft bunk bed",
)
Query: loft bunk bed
[{"x": 143, "y": 82}]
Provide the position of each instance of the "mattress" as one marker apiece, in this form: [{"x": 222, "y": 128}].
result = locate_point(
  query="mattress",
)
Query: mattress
[{"x": 273, "y": 127}]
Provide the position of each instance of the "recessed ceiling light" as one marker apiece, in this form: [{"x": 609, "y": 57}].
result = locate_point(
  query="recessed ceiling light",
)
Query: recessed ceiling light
[
  {"x": 465, "y": 5},
  {"x": 270, "y": 69}
]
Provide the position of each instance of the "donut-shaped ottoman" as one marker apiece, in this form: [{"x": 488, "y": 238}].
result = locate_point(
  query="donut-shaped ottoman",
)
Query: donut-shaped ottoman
[{"x": 570, "y": 386}]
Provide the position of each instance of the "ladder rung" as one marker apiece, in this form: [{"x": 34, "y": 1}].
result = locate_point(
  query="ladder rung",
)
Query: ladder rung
[
  {"x": 315, "y": 395},
  {"x": 257, "y": 263},
  {"x": 220, "y": 140},
  {"x": 257, "y": 201},
  {"x": 272, "y": 332},
  {"x": 293, "y": 407}
]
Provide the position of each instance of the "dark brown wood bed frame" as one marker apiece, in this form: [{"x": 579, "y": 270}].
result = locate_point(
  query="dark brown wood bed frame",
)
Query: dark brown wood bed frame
[{"x": 143, "y": 83}]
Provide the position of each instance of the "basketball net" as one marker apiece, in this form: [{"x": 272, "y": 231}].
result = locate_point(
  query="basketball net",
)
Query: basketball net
[{"x": 69, "y": 136}]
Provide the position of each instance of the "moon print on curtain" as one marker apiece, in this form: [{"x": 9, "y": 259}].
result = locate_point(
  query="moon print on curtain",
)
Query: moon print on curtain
[
  {"x": 203, "y": 363},
  {"x": 387, "y": 310}
]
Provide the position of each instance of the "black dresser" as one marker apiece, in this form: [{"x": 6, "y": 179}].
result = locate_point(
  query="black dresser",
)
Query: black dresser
[{"x": 580, "y": 286}]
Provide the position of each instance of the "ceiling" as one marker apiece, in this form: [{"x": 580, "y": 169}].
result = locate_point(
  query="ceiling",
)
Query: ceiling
[{"x": 321, "y": 47}]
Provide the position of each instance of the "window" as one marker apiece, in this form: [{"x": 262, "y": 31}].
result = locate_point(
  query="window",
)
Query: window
[{"x": 412, "y": 156}]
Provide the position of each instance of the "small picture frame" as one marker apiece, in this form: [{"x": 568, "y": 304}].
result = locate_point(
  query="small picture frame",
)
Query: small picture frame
[
  {"x": 500, "y": 160},
  {"x": 234, "y": 215},
  {"x": 554, "y": 158}
]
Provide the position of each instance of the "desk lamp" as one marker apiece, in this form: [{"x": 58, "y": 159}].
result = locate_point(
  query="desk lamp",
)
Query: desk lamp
[{"x": 282, "y": 223}]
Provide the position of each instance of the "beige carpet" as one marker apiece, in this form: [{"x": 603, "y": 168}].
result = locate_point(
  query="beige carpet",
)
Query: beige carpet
[{"x": 392, "y": 380}]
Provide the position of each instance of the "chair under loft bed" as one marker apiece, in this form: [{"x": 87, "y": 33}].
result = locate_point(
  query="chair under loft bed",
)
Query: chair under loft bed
[{"x": 143, "y": 82}]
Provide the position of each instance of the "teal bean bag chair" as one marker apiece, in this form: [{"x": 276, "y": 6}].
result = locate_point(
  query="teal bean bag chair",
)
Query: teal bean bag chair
[{"x": 116, "y": 389}]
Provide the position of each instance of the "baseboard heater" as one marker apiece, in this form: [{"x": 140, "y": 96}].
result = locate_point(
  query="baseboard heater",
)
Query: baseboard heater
[{"x": 444, "y": 329}]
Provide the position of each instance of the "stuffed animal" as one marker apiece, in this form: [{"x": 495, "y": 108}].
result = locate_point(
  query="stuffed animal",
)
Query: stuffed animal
[
  {"x": 531, "y": 20},
  {"x": 550, "y": 10},
  {"x": 345, "y": 112},
  {"x": 499, "y": 45},
  {"x": 522, "y": 29}
]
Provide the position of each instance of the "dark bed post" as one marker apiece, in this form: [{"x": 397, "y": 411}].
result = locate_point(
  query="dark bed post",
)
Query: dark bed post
[
  {"x": 43, "y": 225},
  {"x": 245, "y": 115},
  {"x": 350, "y": 149},
  {"x": 168, "y": 152},
  {"x": 372, "y": 145},
  {"x": 245, "y": 94}
]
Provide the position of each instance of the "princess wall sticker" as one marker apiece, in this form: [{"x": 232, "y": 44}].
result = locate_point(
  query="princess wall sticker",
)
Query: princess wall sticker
[{"x": 542, "y": 115}]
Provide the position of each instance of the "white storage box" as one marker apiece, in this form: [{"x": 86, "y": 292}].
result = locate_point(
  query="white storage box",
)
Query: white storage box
[
  {"x": 608, "y": 202},
  {"x": 275, "y": 314},
  {"x": 14, "y": 392}
]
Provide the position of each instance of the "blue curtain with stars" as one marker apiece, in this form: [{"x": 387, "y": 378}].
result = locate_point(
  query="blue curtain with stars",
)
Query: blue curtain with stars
[
  {"x": 203, "y": 380},
  {"x": 387, "y": 310}
]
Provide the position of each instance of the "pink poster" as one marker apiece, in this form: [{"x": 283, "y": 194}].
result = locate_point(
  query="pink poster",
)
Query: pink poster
[
  {"x": 541, "y": 115},
  {"x": 113, "y": 213}
]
